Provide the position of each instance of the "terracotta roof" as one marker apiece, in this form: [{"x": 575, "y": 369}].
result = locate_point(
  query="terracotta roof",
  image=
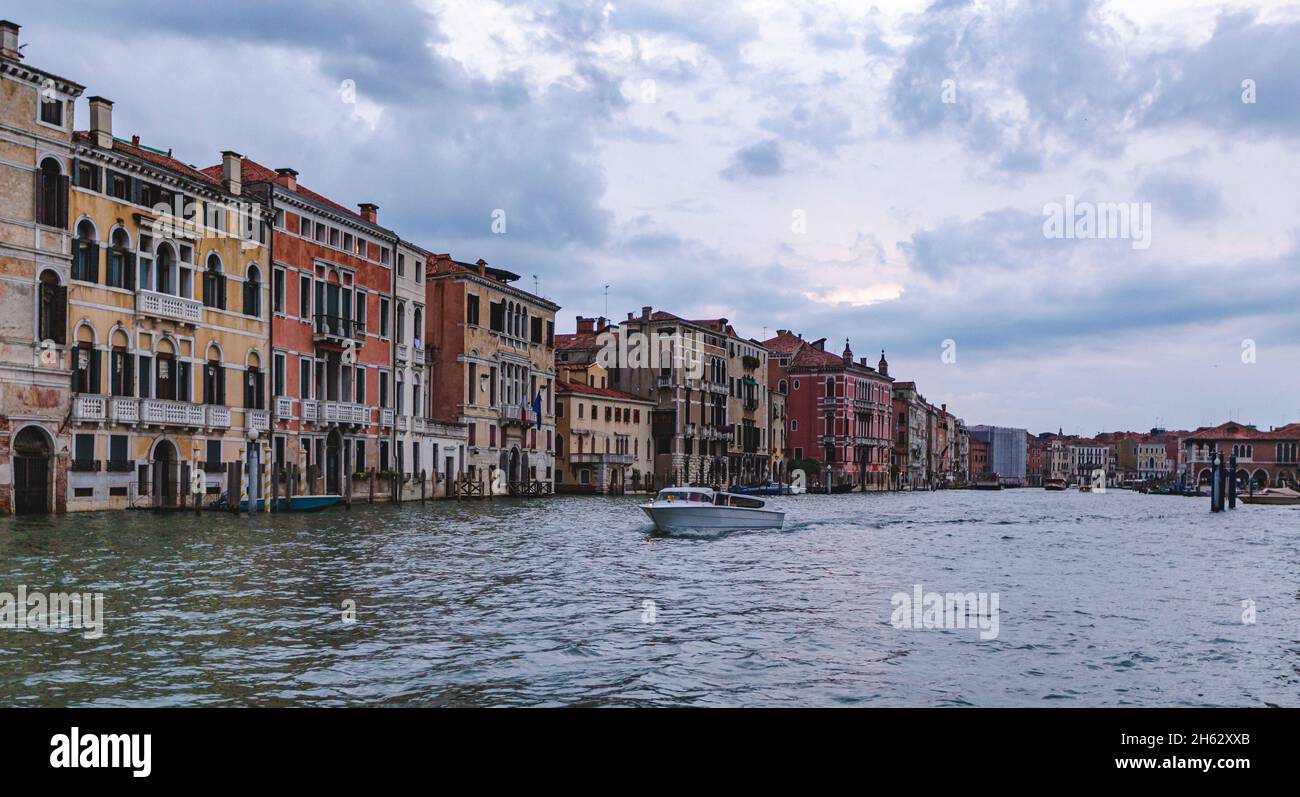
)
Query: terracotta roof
[
  {"x": 808, "y": 357},
  {"x": 1238, "y": 431},
  {"x": 599, "y": 392},
  {"x": 783, "y": 343},
  {"x": 253, "y": 172},
  {"x": 577, "y": 340},
  {"x": 156, "y": 158}
]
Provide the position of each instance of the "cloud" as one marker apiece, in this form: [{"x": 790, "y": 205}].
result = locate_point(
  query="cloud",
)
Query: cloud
[
  {"x": 1183, "y": 196},
  {"x": 763, "y": 159}
]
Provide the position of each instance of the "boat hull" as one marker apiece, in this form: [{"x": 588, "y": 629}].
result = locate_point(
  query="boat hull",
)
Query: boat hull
[
  {"x": 683, "y": 517},
  {"x": 300, "y": 503}
]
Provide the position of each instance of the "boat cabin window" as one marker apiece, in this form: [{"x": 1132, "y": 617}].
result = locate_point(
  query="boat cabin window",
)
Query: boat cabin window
[{"x": 684, "y": 495}]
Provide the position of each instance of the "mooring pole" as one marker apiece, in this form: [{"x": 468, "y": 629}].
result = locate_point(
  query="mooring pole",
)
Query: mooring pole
[
  {"x": 1216, "y": 484},
  {"x": 1232, "y": 482}
]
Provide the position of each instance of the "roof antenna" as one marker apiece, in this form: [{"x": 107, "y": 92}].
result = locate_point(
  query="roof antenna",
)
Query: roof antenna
[
  {"x": 536, "y": 289},
  {"x": 607, "y": 301}
]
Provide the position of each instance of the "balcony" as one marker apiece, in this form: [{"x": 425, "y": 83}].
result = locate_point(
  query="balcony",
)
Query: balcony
[
  {"x": 340, "y": 412},
  {"x": 337, "y": 330},
  {"x": 258, "y": 420},
  {"x": 751, "y": 404},
  {"x": 84, "y": 466},
  {"x": 124, "y": 410},
  {"x": 218, "y": 417},
  {"x": 403, "y": 352},
  {"x": 663, "y": 382},
  {"x": 310, "y": 410},
  {"x": 119, "y": 466},
  {"x": 601, "y": 459},
  {"x": 162, "y": 412},
  {"x": 386, "y": 418},
  {"x": 88, "y": 408},
  {"x": 403, "y": 423},
  {"x": 520, "y": 415},
  {"x": 168, "y": 307},
  {"x": 283, "y": 407}
]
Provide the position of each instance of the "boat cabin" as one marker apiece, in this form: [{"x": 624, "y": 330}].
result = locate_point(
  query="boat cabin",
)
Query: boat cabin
[{"x": 705, "y": 495}]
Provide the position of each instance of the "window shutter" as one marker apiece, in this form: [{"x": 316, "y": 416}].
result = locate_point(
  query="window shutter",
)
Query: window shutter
[
  {"x": 128, "y": 375},
  {"x": 128, "y": 279},
  {"x": 94, "y": 386},
  {"x": 93, "y": 255},
  {"x": 221, "y": 384},
  {"x": 75, "y": 171},
  {"x": 146, "y": 376},
  {"x": 59, "y": 315},
  {"x": 135, "y": 191},
  {"x": 62, "y": 220}
]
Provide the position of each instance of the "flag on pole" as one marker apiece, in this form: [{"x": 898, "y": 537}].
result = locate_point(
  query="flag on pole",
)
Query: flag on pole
[{"x": 537, "y": 408}]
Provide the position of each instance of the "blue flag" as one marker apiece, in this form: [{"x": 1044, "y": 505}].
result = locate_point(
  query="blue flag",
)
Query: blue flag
[{"x": 537, "y": 408}]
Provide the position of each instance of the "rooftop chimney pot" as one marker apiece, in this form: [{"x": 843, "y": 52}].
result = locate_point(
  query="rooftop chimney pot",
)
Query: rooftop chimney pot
[
  {"x": 287, "y": 178},
  {"x": 232, "y": 171},
  {"x": 101, "y": 122},
  {"x": 369, "y": 211},
  {"x": 9, "y": 40}
]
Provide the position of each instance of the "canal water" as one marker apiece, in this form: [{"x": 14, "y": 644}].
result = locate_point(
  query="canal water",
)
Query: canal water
[{"x": 1103, "y": 600}]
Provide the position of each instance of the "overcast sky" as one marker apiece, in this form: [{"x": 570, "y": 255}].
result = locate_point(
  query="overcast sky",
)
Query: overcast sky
[{"x": 845, "y": 170}]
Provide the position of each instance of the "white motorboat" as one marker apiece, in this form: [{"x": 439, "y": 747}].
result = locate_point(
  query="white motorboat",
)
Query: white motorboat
[{"x": 682, "y": 508}]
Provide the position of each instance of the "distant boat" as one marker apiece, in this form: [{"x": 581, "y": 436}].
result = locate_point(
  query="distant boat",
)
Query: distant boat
[
  {"x": 1275, "y": 496},
  {"x": 299, "y": 503},
  {"x": 683, "y": 508},
  {"x": 988, "y": 484},
  {"x": 1054, "y": 484},
  {"x": 770, "y": 488}
]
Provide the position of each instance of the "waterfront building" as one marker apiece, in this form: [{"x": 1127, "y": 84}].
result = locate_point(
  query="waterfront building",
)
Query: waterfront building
[
  {"x": 979, "y": 459},
  {"x": 1086, "y": 458},
  {"x": 688, "y": 382},
  {"x": 167, "y": 322},
  {"x": 747, "y": 430},
  {"x": 839, "y": 412},
  {"x": 912, "y": 437},
  {"x": 425, "y": 446},
  {"x": 778, "y": 381},
  {"x": 1037, "y": 463},
  {"x": 961, "y": 454},
  {"x": 1007, "y": 451},
  {"x": 603, "y": 442},
  {"x": 36, "y": 116},
  {"x": 331, "y": 300},
  {"x": 492, "y": 350},
  {"x": 1264, "y": 458}
]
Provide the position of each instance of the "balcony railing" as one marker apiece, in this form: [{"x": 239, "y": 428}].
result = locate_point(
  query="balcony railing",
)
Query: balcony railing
[
  {"x": 403, "y": 351},
  {"x": 258, "y": 420},
  {"x": 171, "y": 413},
  {"x": 339, "y": 412},
  {"x": 333, "y": 327},
  {"x": 169, "y": 307},
  {"x": 386, "y": 418},
  {"x": 601, "y": 459},
  {"x": 218, "y": 417},
  {"x": 89, "y": 408},
  {"x": 310, "y": 410},
  {"x": 124, "y": 410},
  {"x": 84, "y": 465},
  {"x": 283, "y": 407},
  {"x": 520, "y": 415},
  {"x": 119, "y": 466}
]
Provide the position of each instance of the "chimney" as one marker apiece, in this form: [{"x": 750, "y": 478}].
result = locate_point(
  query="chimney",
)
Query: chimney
[
  {"x": 482, "y": 267},
  {"x": 287, "y": 177},
  {"x": 883, "y": 365},
  {"x": 232, "y": 170},
  {"x": 584, "y": 325},
  {"x": 645, "y": 313},
  {"x": 862, "y": 361},
  {"x": 630, "y": 316},
  {"x": 9, "y": 40},
  {"x": 101, "y": 122},
  {"x": 601, "y": 322},
  {"x": 369, "y": 212}
]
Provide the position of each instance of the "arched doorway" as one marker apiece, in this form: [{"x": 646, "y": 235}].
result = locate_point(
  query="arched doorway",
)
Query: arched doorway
[
  {"x": 513, "y": 469},
  {"x": 166, "y": 465},
  {"x": 32, "y": 482},
  {"x": 333, "y": 456},
  {"x": 1259, "y": 479}
]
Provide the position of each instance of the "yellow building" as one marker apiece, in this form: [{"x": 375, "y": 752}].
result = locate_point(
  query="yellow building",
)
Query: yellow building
[
  {"x": 603, "y": 443},
  {"x": 36, "y": 123},
  {"x": 167, "y": 322}
]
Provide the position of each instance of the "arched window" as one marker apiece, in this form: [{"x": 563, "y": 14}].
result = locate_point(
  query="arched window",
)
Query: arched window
[
  {"x": 214, "y": 284},
  {"x": 418, "y": 327},
  {"x": 401, "y": 323},
  {"x": 85, "y": 253},
  {"x": 53, "y": 321},
  {"x": 51, "y": 195},
  {"x": 166, "y": 271},
  {"x": 120, "y": 270},
  {"x": 253, "y": 293}
]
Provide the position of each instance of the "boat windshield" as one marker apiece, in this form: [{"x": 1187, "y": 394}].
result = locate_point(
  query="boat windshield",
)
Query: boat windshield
[
  {"x": 728, "y": 499},
  {"x": 684, "y": 495}
]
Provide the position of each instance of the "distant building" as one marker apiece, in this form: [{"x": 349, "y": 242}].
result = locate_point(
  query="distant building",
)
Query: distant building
[{"x": 1007, "y": 451}]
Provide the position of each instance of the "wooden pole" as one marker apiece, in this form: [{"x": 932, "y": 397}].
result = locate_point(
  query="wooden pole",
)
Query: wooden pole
[
  {"x": 422, "y": 476},
  {"x": 371, "y": 482},
  {"x": 232, "y": 486}
]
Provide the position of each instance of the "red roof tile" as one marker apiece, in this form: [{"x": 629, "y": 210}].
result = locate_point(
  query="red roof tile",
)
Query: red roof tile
[
  {"x": 600, "y": 392},
  {"x": 156, "y": 158}
]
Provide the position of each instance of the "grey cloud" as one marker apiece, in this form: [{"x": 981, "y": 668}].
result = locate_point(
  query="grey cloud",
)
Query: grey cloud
[
  {"x": 1183, "y": 196},
  {"x": 763, "y": 159},
  {"x": 822, "y": 128}
]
